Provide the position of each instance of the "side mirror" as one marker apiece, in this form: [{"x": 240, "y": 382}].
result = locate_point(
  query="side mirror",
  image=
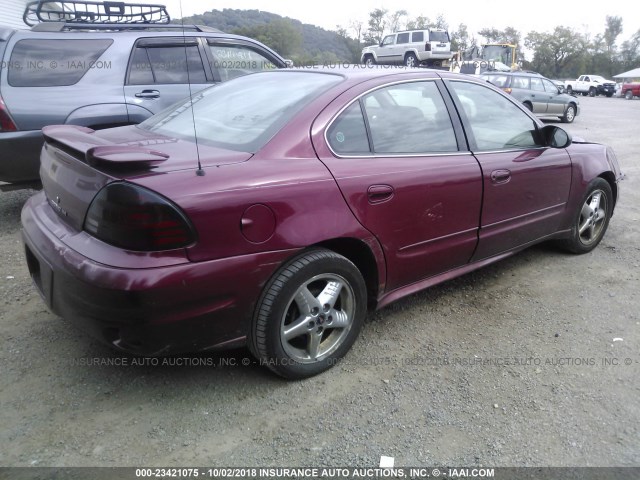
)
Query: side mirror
[
  {"x": 555, "y": 137},
  {"x": 289, "y": 63}
]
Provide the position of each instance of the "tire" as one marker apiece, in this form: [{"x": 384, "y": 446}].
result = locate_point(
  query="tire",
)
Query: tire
[
  {"x": 628, "y": 95},
  {"x": 569, "y": 90},
  {"x": 309, "y": 315},
  {"x": 528, "y": 106},
  {"x": 609, "y": 95},
  {"x": 410, "y": 60},
  {"x": 592, "y": 92},
  {"x": 569, "y": 114},
  {"x": 592, "y": 217},
  {"x": 369, "y": 60}
]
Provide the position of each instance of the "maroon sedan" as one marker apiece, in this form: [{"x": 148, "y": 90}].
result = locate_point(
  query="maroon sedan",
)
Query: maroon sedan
[{"x": 274, "y": 210}]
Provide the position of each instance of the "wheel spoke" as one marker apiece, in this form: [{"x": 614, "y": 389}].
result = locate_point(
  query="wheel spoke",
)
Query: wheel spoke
[
  {"x": 330, "y": 294},
  {"x": 600, "y": 214},
  {"x": 586, "y": 210},
  {"x": 305, "y": 301},
  {"x": 594, "y": 205},
  {"x": 340, "y": 319},
  {"x": 313, "y": 347},
  {"x": 297, "y": 328},
  {"x": 584, "y": 225},
  {"x": 591, "y": 231}
]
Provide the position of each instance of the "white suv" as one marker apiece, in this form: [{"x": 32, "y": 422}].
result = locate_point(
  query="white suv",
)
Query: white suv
[{"x": 410, "y": 48}]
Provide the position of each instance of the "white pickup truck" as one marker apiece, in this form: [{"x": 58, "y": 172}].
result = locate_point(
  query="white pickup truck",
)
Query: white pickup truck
[{"x": 591, "y": 85}]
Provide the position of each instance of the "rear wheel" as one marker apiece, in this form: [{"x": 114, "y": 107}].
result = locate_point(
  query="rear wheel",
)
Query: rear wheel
[
  {"x": 592, "y": 218},
  {"x": 628, "y": 95},
  {"x": 410, "y": 60},
  {"x": 310, "y": 314},
  {"x": 569, "y": 115}
]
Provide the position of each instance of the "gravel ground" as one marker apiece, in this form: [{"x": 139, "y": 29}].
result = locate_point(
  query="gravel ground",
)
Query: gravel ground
[{"x": 513, "y": 365}]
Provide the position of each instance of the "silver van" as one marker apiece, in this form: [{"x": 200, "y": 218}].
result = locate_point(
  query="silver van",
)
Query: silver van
[{"x": 91, "y": 71}]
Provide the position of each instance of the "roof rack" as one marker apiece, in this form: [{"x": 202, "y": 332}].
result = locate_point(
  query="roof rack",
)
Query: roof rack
[
  {"x": 176, "y": 27},
  {"x": 90, "y": 12}
]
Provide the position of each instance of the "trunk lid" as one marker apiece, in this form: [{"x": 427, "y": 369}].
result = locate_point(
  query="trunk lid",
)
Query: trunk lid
[{"x": 77, "y": 162}]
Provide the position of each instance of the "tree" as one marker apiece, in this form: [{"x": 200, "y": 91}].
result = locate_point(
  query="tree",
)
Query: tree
[
  {"x": 395, "y": 20},
  {"x": 377, "y": 25},
  {"x": 357, "y": 26},
  {"x": 460, "y": 39},
  {"x": 419, "y": 23},
  {"x": 612, "y": 31},
  {"x": 555, "y": 52}
]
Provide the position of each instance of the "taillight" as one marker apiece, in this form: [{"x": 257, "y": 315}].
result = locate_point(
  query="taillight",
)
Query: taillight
[
  {"x": 427, "y": 47},
  {"x": 134, "y": 218},
  {"x": 6, "y": 122}
]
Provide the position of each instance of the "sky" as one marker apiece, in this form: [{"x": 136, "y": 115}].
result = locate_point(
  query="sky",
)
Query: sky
[{"x": 540, "y": 15}]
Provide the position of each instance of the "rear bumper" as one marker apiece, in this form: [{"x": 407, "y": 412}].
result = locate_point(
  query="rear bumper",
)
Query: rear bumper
[
  {"x": 20, "y": 156},
  {"x": 175, "y": 308}
]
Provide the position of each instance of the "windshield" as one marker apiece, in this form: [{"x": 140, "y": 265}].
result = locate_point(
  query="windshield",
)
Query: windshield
[
  {"x": 439, "y": 37},
  {"x": 244, "y": 113},
  {"x": 497, "y": 53}
]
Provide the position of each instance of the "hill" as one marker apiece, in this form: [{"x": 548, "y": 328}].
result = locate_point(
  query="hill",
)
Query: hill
[{"x": 291, "y": 38}]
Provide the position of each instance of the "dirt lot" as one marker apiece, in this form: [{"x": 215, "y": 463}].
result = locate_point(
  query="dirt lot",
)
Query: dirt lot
[{"x": 514, "y": 365}]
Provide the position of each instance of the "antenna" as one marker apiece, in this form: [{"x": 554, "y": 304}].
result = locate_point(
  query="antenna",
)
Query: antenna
[{"x": 199, "y": 172}]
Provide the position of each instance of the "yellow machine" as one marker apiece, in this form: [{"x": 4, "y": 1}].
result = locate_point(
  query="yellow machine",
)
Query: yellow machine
[{"x": 501, "y": 52}]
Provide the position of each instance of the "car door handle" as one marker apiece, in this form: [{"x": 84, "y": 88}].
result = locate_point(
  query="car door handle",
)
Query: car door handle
[
  {"x": 500, "y": 176},
  {"x": 148, "y": 94},
  {"x": 379, "y": 193}
]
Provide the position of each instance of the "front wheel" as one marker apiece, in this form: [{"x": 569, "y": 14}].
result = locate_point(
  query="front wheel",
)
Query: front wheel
[
  {"x": 569, "y": 90},
  {"x": 369, "y": 61},
  {"x": 569, "y": 115},
  {"x": 592, "y": 218},
  {"x": 592, "y": 91},
  {"x": 309, "y": 315}
]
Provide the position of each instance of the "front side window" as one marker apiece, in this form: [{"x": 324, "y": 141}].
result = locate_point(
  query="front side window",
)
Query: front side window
[
  {"x": 244, "y": 113},
  {"x": 549, "y": 86},
  {"x": 388, "y": 40},
  {"x": 495, "y": 122},
  {"x": 232, "y": 61},
  {"x": 54, "y": 63},
  {"x": 175, "y": 64}
]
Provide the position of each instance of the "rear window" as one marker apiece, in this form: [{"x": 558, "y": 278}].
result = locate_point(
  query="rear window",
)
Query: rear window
[
  {"x": 54, "y": 63},
  {"x": 442, "y": 37},
  {"x": 244, "y": 113}
]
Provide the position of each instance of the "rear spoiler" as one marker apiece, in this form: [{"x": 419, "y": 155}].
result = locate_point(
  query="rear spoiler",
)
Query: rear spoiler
[{"x": 99, "y": 152}]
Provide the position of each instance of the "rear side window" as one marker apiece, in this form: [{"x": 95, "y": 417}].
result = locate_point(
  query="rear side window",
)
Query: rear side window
[
  {"x": 54, "y": 63},
  {"x": 520, "y": 82},
  {"x": 417, "y": 37},
  {"x": 403, "y": 38},
  {"x": 166, "y": 65},
  {"x": 348, "y": 134}
]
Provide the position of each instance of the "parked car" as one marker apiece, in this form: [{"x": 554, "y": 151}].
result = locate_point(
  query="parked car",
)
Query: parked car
[
  {"x": 539, "y": 94},
  {"x": 101, "y": 75},
  {"x": 410, "y": 48},
  {"x": 310, "y": 197},
  {"x": 591, "y": 85},
  {"x": 560, "y": 85},
  {"x": 630, "y": 90}
]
